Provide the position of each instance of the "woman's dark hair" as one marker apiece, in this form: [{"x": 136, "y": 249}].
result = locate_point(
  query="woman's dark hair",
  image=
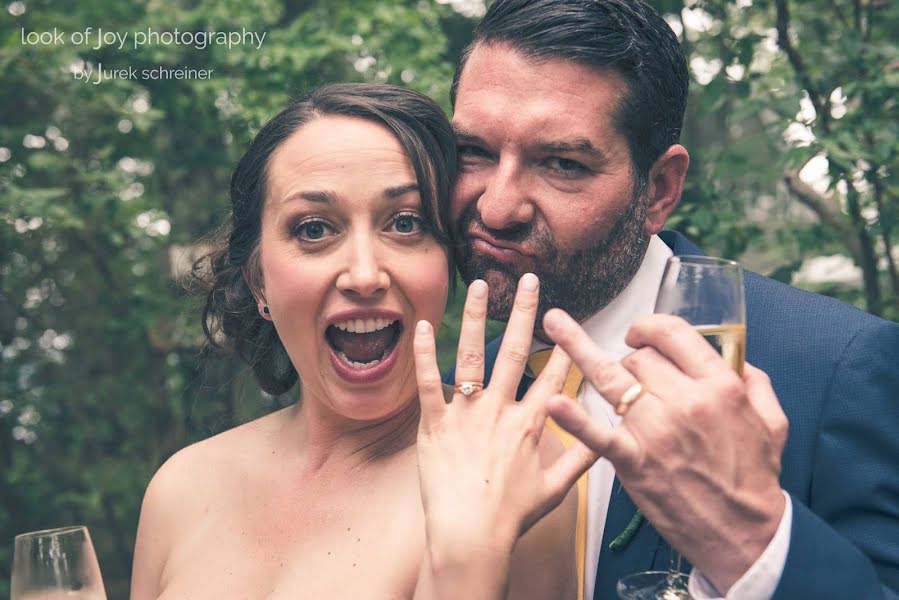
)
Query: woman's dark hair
[
  {"x": 231, "y": 271},
  {"x": 626, "y": 36}
]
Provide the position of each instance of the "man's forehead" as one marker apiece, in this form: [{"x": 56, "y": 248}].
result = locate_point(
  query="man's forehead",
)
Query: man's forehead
[
  {"x": 499, "y": 82},
  {"x": 537, "y": 126},
  {"x": 498, "y": 60}
]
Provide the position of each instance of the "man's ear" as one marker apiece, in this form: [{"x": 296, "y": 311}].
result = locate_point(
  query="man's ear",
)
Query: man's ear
[{"x": 664, "y": 186}]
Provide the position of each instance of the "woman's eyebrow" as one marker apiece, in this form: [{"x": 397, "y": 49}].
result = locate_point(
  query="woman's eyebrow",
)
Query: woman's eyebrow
[
  {"x": 400, "y": 190},
  {"x": 317, "y": 196},
  {"x": 329, "y": 197}
]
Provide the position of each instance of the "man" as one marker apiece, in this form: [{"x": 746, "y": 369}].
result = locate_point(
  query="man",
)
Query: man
[{"x": 568, "y": 115}]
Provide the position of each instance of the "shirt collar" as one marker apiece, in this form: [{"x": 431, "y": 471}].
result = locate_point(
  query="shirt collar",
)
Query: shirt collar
[{"x": 609, "y": 326}]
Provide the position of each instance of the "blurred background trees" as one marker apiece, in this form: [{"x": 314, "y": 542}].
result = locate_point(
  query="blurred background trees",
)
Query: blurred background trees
[{"x": 107, "y": 190}]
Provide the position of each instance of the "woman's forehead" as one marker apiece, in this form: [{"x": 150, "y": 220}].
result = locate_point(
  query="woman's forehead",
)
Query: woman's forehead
[
  {"x": 332, "y": 151},
  {"x": 335, "y": 136}
]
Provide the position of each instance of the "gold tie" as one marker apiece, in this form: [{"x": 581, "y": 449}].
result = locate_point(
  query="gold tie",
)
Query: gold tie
[{"x": 536, "y": 362}]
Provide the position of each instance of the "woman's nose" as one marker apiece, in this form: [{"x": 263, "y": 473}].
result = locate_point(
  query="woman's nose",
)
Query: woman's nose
[{"x": 364, "y": 274}]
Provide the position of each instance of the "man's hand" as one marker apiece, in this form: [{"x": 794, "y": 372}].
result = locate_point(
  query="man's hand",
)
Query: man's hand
[{"x": 699, "y": 449}]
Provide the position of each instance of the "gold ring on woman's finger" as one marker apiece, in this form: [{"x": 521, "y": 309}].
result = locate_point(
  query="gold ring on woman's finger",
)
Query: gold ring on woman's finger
[
  {"x": 629, "y": 396},
  {"x": 467, "y": 388}
]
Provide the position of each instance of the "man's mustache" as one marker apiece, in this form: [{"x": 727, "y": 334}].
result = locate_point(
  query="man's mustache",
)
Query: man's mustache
[{"x": 470, "y": 221}]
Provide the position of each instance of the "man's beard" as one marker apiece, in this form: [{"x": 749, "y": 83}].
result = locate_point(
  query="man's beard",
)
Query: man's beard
[{"x": 581, "y": 283}]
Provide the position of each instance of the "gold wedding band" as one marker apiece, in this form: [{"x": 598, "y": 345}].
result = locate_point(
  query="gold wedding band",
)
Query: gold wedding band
[
  {"x": 467, "y": 388},
  {"x": 629, "y": 396}
]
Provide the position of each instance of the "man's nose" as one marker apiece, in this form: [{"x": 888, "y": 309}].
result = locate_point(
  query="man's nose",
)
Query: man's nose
[
  {"x": 505, "y": 201},
  {"x": 364, "y": 274}
]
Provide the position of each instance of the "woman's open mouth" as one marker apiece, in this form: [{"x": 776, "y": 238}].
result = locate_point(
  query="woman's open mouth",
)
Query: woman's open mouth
[{"x": 363, "y": 350}]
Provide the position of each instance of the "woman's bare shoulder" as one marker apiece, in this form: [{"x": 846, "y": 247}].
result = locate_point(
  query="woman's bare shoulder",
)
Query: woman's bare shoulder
[
  {"x": 211, "y": 466},
  {"x": 187, "y": 485}
]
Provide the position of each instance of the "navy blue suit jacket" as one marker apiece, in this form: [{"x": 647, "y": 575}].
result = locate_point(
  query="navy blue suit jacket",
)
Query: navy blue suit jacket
[{"x": 836, "y": 372}]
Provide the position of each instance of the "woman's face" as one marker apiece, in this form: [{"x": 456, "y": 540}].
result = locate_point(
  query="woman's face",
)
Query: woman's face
[{"x": 347, "y": 266}]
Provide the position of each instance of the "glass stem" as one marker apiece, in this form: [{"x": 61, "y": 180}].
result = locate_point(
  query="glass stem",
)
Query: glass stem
[{"x": 674, "y": 573}]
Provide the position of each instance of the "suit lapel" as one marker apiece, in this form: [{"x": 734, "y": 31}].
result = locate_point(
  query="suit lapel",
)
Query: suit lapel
[{"x": 679, "y": 244}]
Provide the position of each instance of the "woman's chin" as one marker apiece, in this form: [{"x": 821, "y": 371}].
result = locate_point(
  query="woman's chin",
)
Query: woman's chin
[{"x": 374, "y": 405}]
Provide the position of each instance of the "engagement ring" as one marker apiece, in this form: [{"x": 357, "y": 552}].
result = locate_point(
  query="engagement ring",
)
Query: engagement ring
[{"x": 467, "y": 388}]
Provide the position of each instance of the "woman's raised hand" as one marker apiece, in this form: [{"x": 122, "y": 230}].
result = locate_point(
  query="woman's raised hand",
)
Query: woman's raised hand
[{"x": 484, "y": 480}]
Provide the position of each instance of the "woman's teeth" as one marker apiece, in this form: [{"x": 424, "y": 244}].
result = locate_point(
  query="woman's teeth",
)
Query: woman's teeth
[
  {"x": 364, "y": 325},
  {"x": 357, "y": 365}
]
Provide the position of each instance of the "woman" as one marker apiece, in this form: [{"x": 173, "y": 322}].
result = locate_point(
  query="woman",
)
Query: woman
[{"x": 337, "y": 270}]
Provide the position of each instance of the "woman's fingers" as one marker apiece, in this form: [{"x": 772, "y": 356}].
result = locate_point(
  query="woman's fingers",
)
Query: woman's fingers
[
  {"x": 551, "y": 381},
  {"x": 554, "y": 375},
  {"x": 567, "y": 469},
  {"x": 516, "y": 345},
  {"x": 470, "y": 354},
  {"x": 427, "y": 374}
]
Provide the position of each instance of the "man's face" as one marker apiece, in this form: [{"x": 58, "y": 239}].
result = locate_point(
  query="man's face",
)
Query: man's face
[{"x": 546, "y": 183}]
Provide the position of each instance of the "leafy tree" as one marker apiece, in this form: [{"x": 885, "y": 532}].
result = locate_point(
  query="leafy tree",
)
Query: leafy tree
[
  {"x": 793, "y": 128},
  {"x": 104, "y": 374}
]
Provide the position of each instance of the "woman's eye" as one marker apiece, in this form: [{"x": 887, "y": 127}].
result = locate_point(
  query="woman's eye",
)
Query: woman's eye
[
  {"x": 566, "y": 166},
  {"x": 312, "y": 231},
  {"x": 407, "y": 224}
]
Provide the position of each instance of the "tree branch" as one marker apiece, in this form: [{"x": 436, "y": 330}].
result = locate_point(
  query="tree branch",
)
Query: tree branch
[
  {"x": 839, "y": 13},
  {"x": 869, "y": 257},
  {"x": 86, "y": 244},
  {"x": 885, "y": 234},
  {"x": 819, "y": 102},
  {"x": 823, "y": 208}
]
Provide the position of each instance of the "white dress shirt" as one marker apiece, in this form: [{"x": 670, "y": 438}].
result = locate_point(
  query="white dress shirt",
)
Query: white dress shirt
[{"x": 608, "y": 329}]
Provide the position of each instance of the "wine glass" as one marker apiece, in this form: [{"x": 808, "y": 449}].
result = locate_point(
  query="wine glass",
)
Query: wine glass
[
  {"x": 56, "y": 564},
  {"x": 707, "y": 292}
]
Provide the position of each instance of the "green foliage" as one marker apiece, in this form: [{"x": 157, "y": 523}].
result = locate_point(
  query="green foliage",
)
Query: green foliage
[
  {"x": 103, "y": 371},
  {"x": 767, "y": 108}
]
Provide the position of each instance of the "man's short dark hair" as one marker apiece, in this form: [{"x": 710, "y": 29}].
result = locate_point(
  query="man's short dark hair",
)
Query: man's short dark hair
[{"x": 627, "y": 36}]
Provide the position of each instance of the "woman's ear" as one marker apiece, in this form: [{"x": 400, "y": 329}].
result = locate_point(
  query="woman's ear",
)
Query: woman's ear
[
  {"x": 664, "y": 187},
  {"x": 258, "y": 292}
]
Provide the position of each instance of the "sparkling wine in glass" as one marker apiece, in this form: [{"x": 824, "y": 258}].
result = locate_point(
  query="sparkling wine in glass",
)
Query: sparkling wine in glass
[
  {"x": 707, "y": 292},
  {"x": 56, "y": 564}
]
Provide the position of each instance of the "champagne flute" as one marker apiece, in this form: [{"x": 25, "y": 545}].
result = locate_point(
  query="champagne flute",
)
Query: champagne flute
[
  {"x": 707, "y": 292},
  {"x": 56, "y": 564}
]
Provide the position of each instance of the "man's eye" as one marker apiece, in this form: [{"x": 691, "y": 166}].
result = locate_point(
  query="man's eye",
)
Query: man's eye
[
  {"x": 471, "y": 152},
  {"x": 312, "y": 230},
  {"x": 407, "y": 224},
  {"x": 565, "y": 166}
]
